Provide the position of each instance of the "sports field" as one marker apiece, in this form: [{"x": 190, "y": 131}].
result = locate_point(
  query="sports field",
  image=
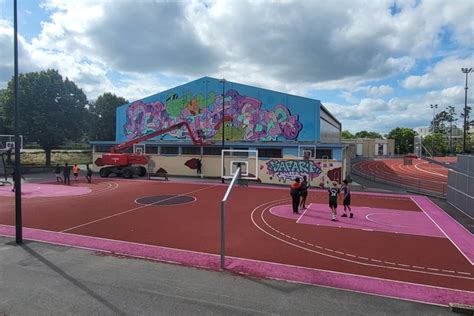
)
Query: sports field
[{"x": 400, "y": 246}]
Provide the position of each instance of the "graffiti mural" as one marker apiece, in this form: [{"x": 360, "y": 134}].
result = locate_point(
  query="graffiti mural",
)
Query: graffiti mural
[
  {"x": 290, "y": 169},
  {"x": 244, "y": 119}
]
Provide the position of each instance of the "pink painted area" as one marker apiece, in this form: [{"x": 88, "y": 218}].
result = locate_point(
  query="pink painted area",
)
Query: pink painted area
[
  {"x": 458, "y": 235},
  {"x": 370, "y": 285},
  {"x": 35, "y": 190},
  {"x": 367, "y": 218}
]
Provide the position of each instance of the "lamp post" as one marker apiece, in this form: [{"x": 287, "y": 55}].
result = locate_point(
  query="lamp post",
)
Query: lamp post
[
  {"x": 466, "y": 71},
  {"x": 223, "y": 125},
  {"x": 434, "y": 107}
]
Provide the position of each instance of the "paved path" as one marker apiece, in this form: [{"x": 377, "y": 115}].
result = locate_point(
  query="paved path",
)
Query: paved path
[{"x": 44, "y": 279}]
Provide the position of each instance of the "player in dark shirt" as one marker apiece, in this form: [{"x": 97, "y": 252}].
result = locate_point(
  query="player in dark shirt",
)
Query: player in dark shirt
[
  {"x": 295, "y": 192},
  {"x": 346, "y": 191},
  {"x": 333, "y": 193}
]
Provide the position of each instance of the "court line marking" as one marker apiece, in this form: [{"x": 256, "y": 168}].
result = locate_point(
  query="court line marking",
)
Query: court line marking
[
  {"x": 394, "y": 225},
  {"x": 449, "y": 238},
  {"x": 111, "y": 186},
  {"x": 158, "y": 202},
  {"x": 304, "y": 212},
  {"x": 251, "y": 260},
  {"x": 422, "y": 170},
  {"x": 133, "y": 209},
  {"x": 266, "y": 206}
]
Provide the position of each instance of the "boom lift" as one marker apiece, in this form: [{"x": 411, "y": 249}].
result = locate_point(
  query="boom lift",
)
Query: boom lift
[{"x": 129, "y": 164}]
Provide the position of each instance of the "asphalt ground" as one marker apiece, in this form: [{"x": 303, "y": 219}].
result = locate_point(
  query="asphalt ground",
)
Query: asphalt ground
[{"x": 43, "y": 279}]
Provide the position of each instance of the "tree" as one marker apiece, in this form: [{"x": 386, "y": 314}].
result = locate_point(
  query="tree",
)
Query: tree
[
  {"x": 103, "y": 112},
  {"x": 451, "y": 118},
  {"x": 366, "y": 134},
  {"x": 404, "y": 138},
  {"x": 3, "y": 127},
  {"x": 347, "y": 135},
  {"x": 436, "y": 144},
  {"x": 438, "y": 124},
  {"x": 52, "y": 110},
  {"x": 468, "y": 136}
]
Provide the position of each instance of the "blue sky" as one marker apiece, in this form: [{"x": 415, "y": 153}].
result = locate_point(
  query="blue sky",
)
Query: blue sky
[{"x": 375, "y": 65}]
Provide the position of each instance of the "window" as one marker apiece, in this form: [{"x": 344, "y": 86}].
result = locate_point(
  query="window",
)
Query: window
[
  {"x": 169, "y": 150},
  {"x": 102, "y": 148},
  {"x": 216, "y": 151},
  {"x": 240, "y": 154},
  {"x": 323, "y": 153},
  {"x": 190, "y": 150},
  {"x": 270, "y": 152},
  {"x": 151, "y": 149}
]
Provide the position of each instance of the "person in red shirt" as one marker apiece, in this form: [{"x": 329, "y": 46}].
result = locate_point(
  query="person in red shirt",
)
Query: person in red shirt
[{"x": 295, "y": 192}]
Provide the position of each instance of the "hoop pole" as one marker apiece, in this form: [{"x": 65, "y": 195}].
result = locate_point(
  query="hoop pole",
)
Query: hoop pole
[{"x": 224, "y": 200}]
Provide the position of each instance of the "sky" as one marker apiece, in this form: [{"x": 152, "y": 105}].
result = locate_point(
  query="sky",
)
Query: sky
[{"x": 375, "y": 64}]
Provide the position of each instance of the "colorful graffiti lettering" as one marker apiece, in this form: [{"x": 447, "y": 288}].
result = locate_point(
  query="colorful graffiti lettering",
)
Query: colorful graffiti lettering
[
  {"x": 244, "y": 118},
  {"x": 290, "y": 169}
]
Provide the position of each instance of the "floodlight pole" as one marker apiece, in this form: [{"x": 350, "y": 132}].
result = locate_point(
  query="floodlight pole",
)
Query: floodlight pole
[
  {"x": 466, "y": 71},
  {"x": 434, "y": 107},
  {"x": 223, "y": 124},
  {"x": 17, "y": 175}
]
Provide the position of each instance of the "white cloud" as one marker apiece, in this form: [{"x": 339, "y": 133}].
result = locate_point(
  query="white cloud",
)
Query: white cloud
[
  {"x": 442, "y": 74},
  {"x": 298, "y": 47}
]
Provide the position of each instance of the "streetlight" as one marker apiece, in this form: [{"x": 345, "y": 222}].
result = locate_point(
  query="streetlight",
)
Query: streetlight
[
  {"x": 434, "y": 107},
  {"x": 466, "y": 71},
  {"x": 223, "y": 120}
]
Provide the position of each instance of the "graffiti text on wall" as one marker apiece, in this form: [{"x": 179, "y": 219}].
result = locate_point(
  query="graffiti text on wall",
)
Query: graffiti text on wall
[
  {"x": 290, "y": 169},
  {"x": 244, "y": 117}
]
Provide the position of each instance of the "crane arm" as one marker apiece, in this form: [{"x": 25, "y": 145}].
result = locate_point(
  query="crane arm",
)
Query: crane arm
[{"x": 124, "y": 146}]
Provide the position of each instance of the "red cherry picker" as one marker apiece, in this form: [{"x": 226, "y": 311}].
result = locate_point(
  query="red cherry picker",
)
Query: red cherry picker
[{"x": 128, "y": 165}]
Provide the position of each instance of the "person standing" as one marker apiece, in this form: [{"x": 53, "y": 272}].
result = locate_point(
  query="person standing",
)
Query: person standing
[
  {"x": 346, "y": 191},
  {"x": 295, "y": 192},
  {"x": 88, "y": 174},
  {"x": 14, "y": 179},
  {"x": 199, "y": 166},
  {"x": 57, "y": 173},
  {"x": 67, "y": 174},
  {"x": 333, "y": 193},
  {"x": 75, "y": 171},
  {"x": 304, "y": 192}
]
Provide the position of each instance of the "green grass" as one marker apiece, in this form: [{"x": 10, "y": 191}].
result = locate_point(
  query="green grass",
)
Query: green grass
[{"x": 38, "y": 158}]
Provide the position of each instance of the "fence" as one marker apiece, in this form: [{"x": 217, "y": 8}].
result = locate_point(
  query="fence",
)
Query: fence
[
  {"x": 411, "y": 184},
  {"x": 461, "y": 185}
]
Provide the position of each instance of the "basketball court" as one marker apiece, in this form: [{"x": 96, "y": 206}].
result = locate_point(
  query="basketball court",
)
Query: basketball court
[{"x": 400, "y": 246}]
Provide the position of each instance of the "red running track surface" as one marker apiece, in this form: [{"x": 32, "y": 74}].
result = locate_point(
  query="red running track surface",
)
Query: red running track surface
[
  {"x": 259, "y": 242},
  {"x": 420, "y": 175}
]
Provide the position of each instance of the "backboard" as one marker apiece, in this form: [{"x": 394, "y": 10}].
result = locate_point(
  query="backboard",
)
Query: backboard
[{"x": 246, "y": 159}]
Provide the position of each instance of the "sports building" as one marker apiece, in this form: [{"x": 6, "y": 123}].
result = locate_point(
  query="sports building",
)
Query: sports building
[{"x": 280, "y": 136}]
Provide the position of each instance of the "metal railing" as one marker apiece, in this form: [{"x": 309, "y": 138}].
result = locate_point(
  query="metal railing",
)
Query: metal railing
[{"x": 410, "y": 184}]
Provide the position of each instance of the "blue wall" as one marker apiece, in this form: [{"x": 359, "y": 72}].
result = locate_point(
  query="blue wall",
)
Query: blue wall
[{"x": 251, "y": 114}]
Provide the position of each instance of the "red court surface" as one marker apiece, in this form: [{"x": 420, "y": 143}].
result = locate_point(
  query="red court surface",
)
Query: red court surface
[
  {"x": 400, "y": 246},
  {"x": 420, "y": 175}
]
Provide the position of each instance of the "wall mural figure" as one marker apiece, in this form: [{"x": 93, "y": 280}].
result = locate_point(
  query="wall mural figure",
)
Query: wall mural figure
[{"x": 244, "y": 118}]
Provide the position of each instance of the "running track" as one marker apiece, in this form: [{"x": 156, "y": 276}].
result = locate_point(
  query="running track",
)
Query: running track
[
  {"x": 420, "y": 176},
  {"x": 432, "y": 264}
]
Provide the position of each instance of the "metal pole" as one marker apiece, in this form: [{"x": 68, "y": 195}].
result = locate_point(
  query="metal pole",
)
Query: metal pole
[
  {"x": 223, "y": 122},
  {"x": 466, "y": 71},
  {"x": 17, "y": 180},
  {"x": 222, "y": 235}
]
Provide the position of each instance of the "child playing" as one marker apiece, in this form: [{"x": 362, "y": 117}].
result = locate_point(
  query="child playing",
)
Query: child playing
[
  {"x": 333, "y": 193},
  {"x": 346, "y": 191},
  {"x": 304, "y": 192},
  {"x": 295, "y": 194}
]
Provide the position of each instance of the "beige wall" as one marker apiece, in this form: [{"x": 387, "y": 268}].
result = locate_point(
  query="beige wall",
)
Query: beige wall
[
  {"x": 368, "y": 146},
  {"x": 276, "y": 171}
]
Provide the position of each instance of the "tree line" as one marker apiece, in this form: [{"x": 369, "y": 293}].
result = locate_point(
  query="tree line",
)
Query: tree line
[
  {"x": 54, "y": 111},
  {"x": 445, "y": 136}
]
